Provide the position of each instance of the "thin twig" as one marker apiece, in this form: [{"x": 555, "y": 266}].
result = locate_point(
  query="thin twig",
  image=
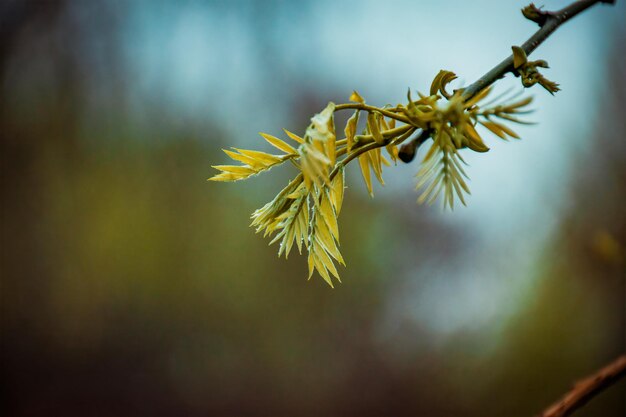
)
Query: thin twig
[
  {"x": 586, "y": 389},
  {"x": 552, "y": 22},
  {"x": 363, "y": 106}
]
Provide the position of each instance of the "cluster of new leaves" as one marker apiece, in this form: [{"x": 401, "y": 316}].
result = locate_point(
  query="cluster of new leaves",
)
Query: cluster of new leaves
[{"x": 305, "y": 212}]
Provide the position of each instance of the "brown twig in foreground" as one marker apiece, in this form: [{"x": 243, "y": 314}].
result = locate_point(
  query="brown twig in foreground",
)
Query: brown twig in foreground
[{"x": 586, "y": 389}]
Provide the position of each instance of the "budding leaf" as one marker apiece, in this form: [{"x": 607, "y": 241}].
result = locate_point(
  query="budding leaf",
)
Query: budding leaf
[
  {"x": 356, "y": 97},
  {"x": 519, "y": 57}
]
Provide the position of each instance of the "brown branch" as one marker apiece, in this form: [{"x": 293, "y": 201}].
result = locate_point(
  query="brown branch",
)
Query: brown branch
[
  {"x": 548, "y": 25},
  {"x": 551, "y": 23},
  {"x": 586, "y": 389}
]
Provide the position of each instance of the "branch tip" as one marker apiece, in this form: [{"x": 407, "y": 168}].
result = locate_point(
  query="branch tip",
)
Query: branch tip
[{"x": 534, "y": 13}]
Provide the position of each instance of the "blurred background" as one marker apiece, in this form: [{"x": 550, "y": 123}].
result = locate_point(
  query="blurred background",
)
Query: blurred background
[{"x": 130, "y": 286}]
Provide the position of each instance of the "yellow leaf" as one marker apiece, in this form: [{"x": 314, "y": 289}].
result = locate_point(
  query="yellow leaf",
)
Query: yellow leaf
[
  {"x": 240, "y": 158},
  {"x": 475, "y": 141},
  {"x": 457, "y": 138},
  {"x": 264, "y": 158},
  {"x": 324, "y": 259},
  {"x": 372, "y": 124},
  {"x": 311, "y": 263},
  {"x": 448, "y": 197},
  {"x": 365, "y": 171},
  {"x": 436, "y": 84},
  {"x": 494, "y": 127},
  {"x": 299, "y": 192},
  {"x": 235, "y": 169},
  {"x": 481, "y": 95},
  {"x": 278, "y": 144},
  {"x": 322, "y": 126},
  {"x": 356, "y": 97},
  {"x": 225, "y": 176},
  {"x": 511, "y": 108},
  {"x": 350, "y": 129},
  {"x": 266, "y": 216},
  {"x": 337, "y": 189},
  {"x": 382, "y": 124},
  {"x": 430, "y": 188},
  {"x": 416, "y": 114},
  {"x": 392, "y": 150},
  {"x": 519, "y": 57},
  {"x": 456, "y": 176},
  {"x": 287, "y": 242},
  {"x": 320, "y": 267},
  {"x": 314, "y": 164},
  {"x": 458, "y": 166},
  {"x": 302, "y": 224},
  {"x": 440, "y": 81},
  {"x": 311, "y": 171},
  {"x": 328, "y": 215},
  {"x": 325, "y": 238},
  {"x": 294, "y": 136},
  {"x": 508, "y": 131},
  {"x": 431, "y": 151},
  {"x": 299, "y": 236},
  {"x": 331, "y": 149},
  {"x": 459, "y": 193},
  {"x": 290, "y": 228},
  {"x": 376, "y": 163}
]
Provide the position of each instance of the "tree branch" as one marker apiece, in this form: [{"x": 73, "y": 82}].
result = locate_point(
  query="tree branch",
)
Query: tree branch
[
  {"x": 586, "y": 389},
  {"x": 550, "y": 22}
]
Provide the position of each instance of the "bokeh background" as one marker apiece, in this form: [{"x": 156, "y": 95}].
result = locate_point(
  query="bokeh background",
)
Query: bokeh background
[{"x": 130, "y": 286}]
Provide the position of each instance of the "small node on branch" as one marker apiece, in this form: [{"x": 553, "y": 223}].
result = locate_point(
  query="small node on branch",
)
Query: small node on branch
[
  {"x": 529, "y": 72},
  {"x": 407, "y": 152},
  {"x": 534, "y": 13}
]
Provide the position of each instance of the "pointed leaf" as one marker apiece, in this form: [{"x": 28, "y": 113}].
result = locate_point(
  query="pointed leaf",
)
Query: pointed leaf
[
  {"x": 350, "y": 129},
  {"x": 337, "y": 189},
  {"x": 265, "y": 158},
  {"x": 278, "y": 144},
  {"x": 328, "y": 215},
  {"x": 494, "y": 128},
  {"x": 356, "y": 97},
  {"x": 294, "y": 136},
  {"x": 240, "y": 158},
  {"x": 372, "y": 124},
  {"x": 519, "y": 57},
  {"x": 365, "y": 171}
]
